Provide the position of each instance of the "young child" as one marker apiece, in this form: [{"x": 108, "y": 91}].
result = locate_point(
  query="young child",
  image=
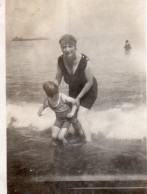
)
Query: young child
[{"x": 65, "y": 109}]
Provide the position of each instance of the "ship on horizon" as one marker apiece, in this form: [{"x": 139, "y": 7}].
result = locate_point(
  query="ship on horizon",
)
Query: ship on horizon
[{"x": 28, "y": 39}]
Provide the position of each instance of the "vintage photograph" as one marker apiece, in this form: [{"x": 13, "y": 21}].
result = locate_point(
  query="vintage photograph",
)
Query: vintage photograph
[{"x": 76, "y": 96}]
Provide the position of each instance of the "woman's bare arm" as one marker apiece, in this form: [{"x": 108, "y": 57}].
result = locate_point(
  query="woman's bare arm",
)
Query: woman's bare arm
[
  {"x": 59, "y": 75},
  {"x": 74, "y": 107},
  {"x": 89, "y": 83}
]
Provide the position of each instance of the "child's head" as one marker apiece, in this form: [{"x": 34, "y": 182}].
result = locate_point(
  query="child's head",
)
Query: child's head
[{"x": 50, "y": 88}]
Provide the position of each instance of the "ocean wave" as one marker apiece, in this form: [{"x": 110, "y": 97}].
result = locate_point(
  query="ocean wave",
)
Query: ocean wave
[
  {"x": 126, "y": 121},
  {"x": 25, "y": 115}
]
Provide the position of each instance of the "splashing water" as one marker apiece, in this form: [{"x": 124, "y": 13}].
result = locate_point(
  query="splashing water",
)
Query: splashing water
[
  {"x": 126, "y": 121},
  {"x": 25, "y": 115}
]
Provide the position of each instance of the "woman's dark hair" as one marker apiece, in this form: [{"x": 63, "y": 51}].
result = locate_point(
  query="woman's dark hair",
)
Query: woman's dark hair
[
  {"x": 50, "y": 88},
  {"x": 68, "y": 38}
]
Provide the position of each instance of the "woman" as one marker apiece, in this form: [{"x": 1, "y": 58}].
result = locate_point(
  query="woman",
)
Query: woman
[{"x": 75, "y": 68}]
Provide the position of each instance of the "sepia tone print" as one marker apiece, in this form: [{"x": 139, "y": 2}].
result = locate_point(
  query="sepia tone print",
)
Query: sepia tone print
[{"x": 108, "y": 48}]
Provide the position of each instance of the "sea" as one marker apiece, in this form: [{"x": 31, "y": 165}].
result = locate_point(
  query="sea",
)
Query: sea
[{"x": 115, "y": 127}]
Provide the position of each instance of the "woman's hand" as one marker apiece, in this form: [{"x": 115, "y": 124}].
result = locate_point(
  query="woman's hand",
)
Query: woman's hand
[
  {"x": 77, "y": 101},
  {"x": 73, "y": 110},
  {"x": 70, "y": 115},
  {"x": 88, "y": 85}
]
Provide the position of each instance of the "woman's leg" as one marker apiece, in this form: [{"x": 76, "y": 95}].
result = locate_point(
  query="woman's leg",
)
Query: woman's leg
[
  {"x": 85, "y": 119},
  {"x": 78, "y": 127}
]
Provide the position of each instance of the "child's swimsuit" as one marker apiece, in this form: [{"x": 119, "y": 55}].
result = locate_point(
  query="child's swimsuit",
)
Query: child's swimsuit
[{"x": 61, "y": 110}]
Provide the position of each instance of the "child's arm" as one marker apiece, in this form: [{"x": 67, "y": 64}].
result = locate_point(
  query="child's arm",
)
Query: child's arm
[
  {"x": 74, "y": 105},
  {"x": 73, "y": 110},
  {"x": 41, "y": 109}
]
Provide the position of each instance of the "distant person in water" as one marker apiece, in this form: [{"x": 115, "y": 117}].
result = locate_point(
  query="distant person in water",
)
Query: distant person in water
[
  {"x": 76, "y": 70},
  {"x": 65, "y": 109},
  {"x": 127, "y": 46}
]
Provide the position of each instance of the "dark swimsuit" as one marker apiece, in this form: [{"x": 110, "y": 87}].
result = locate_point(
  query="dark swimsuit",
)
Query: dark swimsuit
[{"x": 77, "y": 82}]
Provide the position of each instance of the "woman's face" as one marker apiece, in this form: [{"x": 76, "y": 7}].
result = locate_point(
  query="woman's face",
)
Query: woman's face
[{"x": 68, "y": 49}]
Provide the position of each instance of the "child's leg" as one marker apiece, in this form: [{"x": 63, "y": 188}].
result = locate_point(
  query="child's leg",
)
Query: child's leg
[
  {"x": 61, "y": 135},
  {"x": 55, "y": 132}
]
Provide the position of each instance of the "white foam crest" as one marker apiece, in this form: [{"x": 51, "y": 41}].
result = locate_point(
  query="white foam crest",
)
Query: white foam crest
[
  {"x": 25, "y": 115},
  {"x": 125, "y": 122}
]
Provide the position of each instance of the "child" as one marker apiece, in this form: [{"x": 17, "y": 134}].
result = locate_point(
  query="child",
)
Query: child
[{"x": 65, "y": 109}]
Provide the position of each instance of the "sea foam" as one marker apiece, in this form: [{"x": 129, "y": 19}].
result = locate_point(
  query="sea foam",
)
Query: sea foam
[{"x": 126, "y": 121}]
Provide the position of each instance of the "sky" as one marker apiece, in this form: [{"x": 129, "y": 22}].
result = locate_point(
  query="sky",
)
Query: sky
[{"x": 83, "y": 18}]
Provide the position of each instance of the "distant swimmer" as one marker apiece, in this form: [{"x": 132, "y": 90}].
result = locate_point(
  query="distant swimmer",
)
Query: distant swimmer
[{"x": 127, "y": 46}]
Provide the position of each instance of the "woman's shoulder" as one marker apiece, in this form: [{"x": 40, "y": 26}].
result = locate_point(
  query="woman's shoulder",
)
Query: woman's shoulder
[
  {"x": 85, "y": 57},
  {"x": 60, "y": 59},
  {"x": 86, "y": 62}
]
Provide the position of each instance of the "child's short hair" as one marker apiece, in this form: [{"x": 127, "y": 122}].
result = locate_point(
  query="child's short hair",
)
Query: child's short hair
[{"x": 50, "y": 88}]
